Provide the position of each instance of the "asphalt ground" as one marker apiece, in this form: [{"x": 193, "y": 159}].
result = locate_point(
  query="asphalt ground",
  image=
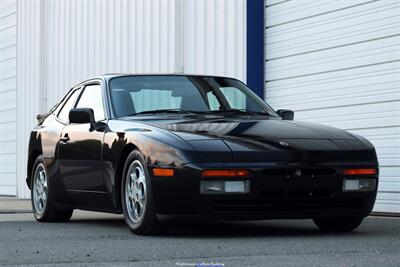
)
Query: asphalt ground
[{"x": 98, "y": 239}]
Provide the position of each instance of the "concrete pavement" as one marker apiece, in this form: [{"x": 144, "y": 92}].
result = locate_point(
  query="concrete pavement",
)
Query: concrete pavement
[{"x": 98, "y": 239}]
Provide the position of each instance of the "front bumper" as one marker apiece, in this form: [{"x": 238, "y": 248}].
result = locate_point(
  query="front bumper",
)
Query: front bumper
[{"x": 274, "y": 193}]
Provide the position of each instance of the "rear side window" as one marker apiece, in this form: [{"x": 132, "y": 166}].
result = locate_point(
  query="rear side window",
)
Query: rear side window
[
  {"x": 92, "y": 98},
  {"x": 68, "y": 105}
]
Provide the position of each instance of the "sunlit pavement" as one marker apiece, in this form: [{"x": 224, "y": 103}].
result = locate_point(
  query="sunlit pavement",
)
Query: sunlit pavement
[{"x": 98, "y": 239}]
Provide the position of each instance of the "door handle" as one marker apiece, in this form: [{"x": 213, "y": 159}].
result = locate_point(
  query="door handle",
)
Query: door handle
[{"x": 65, "y": 138}]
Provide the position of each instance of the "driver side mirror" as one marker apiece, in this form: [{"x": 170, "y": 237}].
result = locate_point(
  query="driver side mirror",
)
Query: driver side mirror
[
  {"x": 81, "y": 115},
  {"x": 285, "y": 114}
]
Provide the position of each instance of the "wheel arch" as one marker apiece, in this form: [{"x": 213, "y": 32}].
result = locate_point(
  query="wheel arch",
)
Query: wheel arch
[
  {"x": 33, "y": 155},
  {"x": 128, "y": 148}
]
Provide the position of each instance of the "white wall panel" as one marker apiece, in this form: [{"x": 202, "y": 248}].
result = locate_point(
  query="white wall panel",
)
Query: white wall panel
[
  {"x": 8, "y": 69},
  {"x": 331, "y": 29},
  {"x": 30, "y": 84},
  {"x": 215, "y": 38},
  {"x": 338, "y": 63}
]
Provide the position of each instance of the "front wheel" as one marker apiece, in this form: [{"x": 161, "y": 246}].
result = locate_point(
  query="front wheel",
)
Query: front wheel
[
  {"x": 43, "y": 204},
  {"x": 338, "y": 224},
  {"x": 137, "y": 199}
]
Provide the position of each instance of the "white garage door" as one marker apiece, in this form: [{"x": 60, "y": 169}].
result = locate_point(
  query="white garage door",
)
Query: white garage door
[
  {"x": 8, "y": 87},
  {"x": 338, "y": 63}
]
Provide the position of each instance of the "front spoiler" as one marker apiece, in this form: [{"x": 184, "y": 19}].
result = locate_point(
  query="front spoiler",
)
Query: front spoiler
[{"x": 272, "y": 196}]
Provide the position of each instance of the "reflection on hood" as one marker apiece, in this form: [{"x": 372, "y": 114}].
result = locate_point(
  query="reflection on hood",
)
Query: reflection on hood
[{"x": 254, "y": 129}]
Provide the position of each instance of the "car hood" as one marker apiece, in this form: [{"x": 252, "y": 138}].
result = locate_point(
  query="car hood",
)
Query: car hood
[
  {"x": 263, "y": 140},
  {"x": 205, "y": 128}
]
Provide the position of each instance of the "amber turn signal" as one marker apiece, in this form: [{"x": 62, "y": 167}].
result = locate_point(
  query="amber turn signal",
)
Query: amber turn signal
[
  {"x": 360, "y": 171},
  {"x": 225, "y": 173},
  {"x": 163, "y": 172}
]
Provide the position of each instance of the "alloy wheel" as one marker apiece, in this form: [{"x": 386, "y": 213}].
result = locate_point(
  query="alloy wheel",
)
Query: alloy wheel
[
  {"x": 40, "y": 189},
  {"x": 135, "y": 191}
]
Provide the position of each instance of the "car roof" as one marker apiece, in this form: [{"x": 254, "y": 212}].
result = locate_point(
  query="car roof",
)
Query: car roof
[{"x": 113, "y": 75}]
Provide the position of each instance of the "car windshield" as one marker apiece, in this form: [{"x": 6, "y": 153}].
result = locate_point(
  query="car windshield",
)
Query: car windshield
[{"x": 157, "y": 94}]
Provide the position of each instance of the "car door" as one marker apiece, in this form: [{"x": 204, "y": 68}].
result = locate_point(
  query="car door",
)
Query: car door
[{"x": 80, "y": 149}]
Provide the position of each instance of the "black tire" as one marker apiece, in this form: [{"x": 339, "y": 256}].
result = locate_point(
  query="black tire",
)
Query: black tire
[
  {"x": 148, "y": 224},
  {"x": 346, "y": 224},
  {"x": 49, "y": 213}
]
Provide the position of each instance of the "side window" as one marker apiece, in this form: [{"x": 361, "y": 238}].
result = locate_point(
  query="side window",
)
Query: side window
[
  {"x": 64, "y": 112},
  {"x": 92, "y": 98}
]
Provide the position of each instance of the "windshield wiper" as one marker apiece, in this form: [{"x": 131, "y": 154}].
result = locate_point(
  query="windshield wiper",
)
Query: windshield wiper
[
  {"x": 155, "y": 111},
  {"x": 181, "y": 111},
  {"x": 240, "y": 111}
]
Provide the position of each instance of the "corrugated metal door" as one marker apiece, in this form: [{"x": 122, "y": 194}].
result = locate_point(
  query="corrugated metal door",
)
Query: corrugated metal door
[
  {"x": 338, "y": 63},
  {"x": 8, "y": 87}
]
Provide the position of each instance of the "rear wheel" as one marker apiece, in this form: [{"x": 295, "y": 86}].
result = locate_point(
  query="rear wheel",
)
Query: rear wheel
[
  {"x": 137, "y": 197},
  {"x": 338, "y": 224},
  {"x": 43, "y": 204}
]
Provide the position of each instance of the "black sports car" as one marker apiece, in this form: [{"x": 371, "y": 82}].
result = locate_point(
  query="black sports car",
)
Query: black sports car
[{"x": 156, "y": 146}]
